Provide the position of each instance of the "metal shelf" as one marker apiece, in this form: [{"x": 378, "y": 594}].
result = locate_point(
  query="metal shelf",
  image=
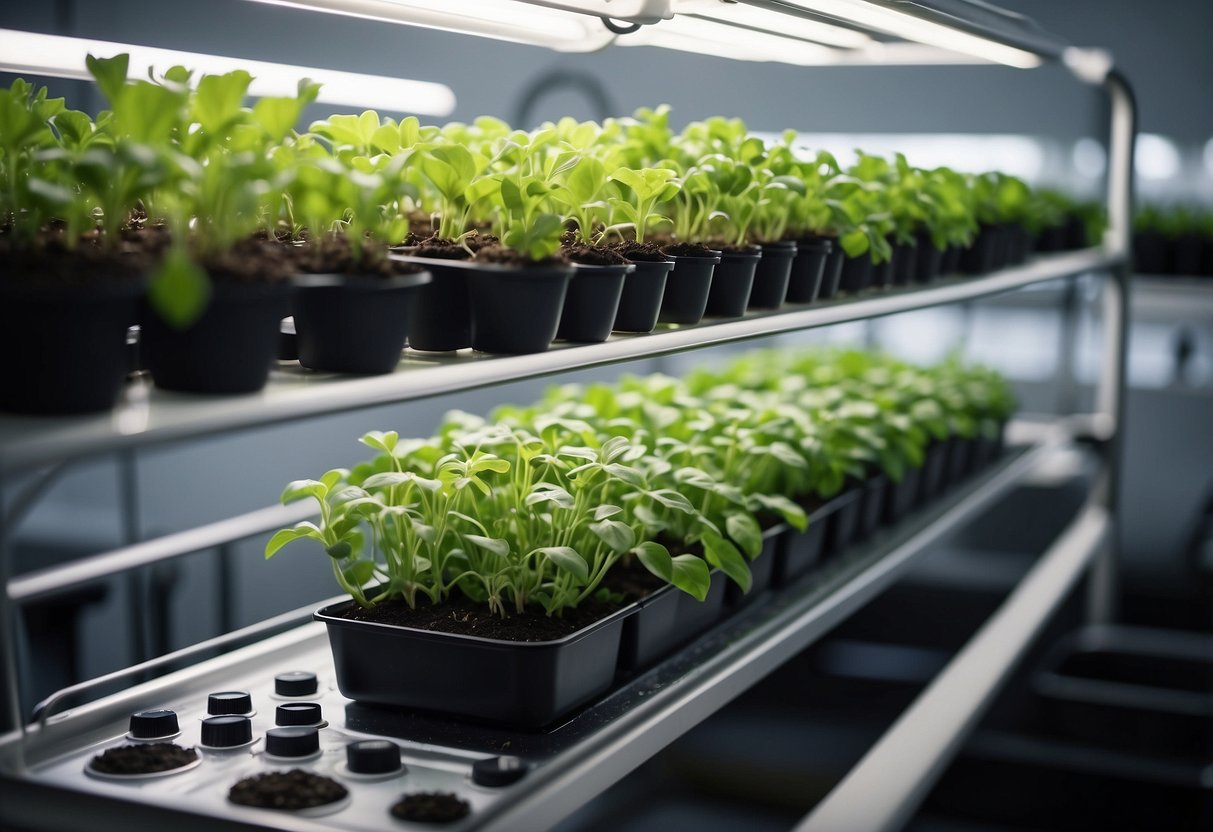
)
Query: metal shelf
[
  {"x": 149, "y": 416},
  {"x": 599, "y": 745}
]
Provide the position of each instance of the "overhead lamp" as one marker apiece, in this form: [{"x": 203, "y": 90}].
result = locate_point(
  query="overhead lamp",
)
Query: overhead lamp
[
  {"x": 788, "y": 23},
  {"x": 912, "y": 28},
  {"x": 57, "y": 56},
  {"x": 547, "y": 24},
  {"x": 709, "y": 37}
]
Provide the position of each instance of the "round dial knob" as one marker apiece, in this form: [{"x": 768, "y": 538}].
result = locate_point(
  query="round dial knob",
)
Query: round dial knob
[
  {"x": 154, "y": 724},
  {"x": 226, "y": 731},
  {"x": 296, "y": 683},
  {"x": 227, "y": 702},
  {"x": 298, "y": 713},
  {"x": 292, "y": 742},
  {"x": 373, "y": 757},
  {"x": 498, "y": 771}
]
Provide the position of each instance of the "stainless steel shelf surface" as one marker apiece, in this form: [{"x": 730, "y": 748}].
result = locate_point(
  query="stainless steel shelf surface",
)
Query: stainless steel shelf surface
[
  {"x": 149, "y": 416},
  {"x": 569, "y": 763}
]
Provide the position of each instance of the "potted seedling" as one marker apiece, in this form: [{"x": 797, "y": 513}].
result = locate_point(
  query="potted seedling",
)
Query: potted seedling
[{"x": 782, "y": 189}]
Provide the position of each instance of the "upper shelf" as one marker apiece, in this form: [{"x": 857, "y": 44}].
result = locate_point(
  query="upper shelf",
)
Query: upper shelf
[{"x": 148, "y": 416}]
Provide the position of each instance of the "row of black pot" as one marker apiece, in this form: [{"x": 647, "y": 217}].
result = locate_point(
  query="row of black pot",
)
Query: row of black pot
[
  {"x": 1189, "y": 254},
  {"x": 532, "y": 684}
]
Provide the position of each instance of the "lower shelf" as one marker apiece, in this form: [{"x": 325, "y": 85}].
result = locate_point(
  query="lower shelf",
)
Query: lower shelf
[{"x": 566, "y": 765}]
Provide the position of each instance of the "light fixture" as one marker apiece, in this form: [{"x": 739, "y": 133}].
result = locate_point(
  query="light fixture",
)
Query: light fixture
[
  {"x": 63, "y": 57},
  {"x": 537, "y": 24},
  {"x": 788, "y": 24},
  {"x": 709, "y": 37},
  {"x": 917, "y": 29}
]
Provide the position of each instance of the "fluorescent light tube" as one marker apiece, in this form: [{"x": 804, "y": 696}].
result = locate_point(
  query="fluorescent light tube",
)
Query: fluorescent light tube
[
  {"x": 518, "y": 22},
  {"x": 63, "y": 57},
  {"x": 786, "y": 24},
  {"x": 917, "y": 29},
  {"x": 707, "y": 37}
]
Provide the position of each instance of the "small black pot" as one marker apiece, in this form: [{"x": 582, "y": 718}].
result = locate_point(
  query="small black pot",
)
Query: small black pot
[
  {"x": 1051, "y": 238},
  {"x": 905, "y": 264},
  {"x": 808, "y": 269},
  {"x": 353, "y": 323},
  {"x": 1076, "y": 232},
  {"x": 229, "y": 349},
  {"x": 950, "y": 263},
  {"x": 591, "y": 303},
  {"x": 872, "y": 506},
  {"x": 521, "y": 683},
  {"x": 732, "y": 282},
  {"x": 882, "y": 275},
  {"x": 772, "y": 276},
  {"x": 762, "y": 568},
  {"x": 516, "y": 310},
  {"x": 66, "y": 344},
  {"x": 856, "y": 274},
  {"x": 927, "y": 259},
  {"x": 982, "y": 256},
  {"x": 666, "y": 620},
  {"x": 640, "y": 301},
  {"x": 1187, "y": 251},
  {"x": 686, "y": 290},
  {"x": 831, "y": 275},
  {"x": 934, "y": 471},
  {"x": 801, "y": 551},
  {"x": 1018, "y": 244},
  {"x": 844, "y": 522},
  {"x": 1150, "y": 251},
  {"x": 900, "y": 497},
  {"x": 440, "y": 317},
  {"x": 959, "y": 462}
]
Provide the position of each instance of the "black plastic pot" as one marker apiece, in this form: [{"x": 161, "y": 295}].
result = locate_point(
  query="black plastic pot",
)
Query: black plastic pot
[
  {"x": 353, "y": 323},
  {"x": 900, "y": 497},
  {"x": 1187, "y": 252},
  {"x": 1149, "y": 692},
  {"x": 801, "y": 551},
  {"x": 229, "y": 349},
  {"x": 981, "y": 256},
  {"x": 844, "y": 522},
  {"x": 519, "y": 683},
  {"x": 882, "y": 275},
  {"x": 856, "y": 274},
  {"x": 1018, "y": 243},
  {"x": 66, "y": 345},
  {"x": 831, "y": 275},
  {"x": 440, "y": 317},
  {"x": 516, "y": 310},
  {"x": 871, "y": 506},
  {"x": 732, "y": 282},
  {"x": 927, "y": 259},
  {"x": 950, "y": 263},
  {"x": 592, "y": 302},
  {"x": 808, "y": 270},
  {"x": 668, "y": 619},
  {"x": 686, "y": 290},
  {"x": 934, "y": 471},
  {"x": 762, "y": 568},
  {"x": 640, "y": 301},
  {"x": 1051, "y": 238},
  {"x": 905, "y": 264},
  {"x": 1150, "y": 252},
  {"x": 986, "y": 449},
  {"x": 959, "y": 463},
  {"x": 773, "y": 275}
]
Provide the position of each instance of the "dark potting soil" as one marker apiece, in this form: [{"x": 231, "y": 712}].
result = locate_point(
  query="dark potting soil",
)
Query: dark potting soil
[
  {"x": 143, "y": 759},
  {"x": 649, "y": 252},
  {"x": 462, "y": 616},
  {"x": 594, "y": 255},
  {"x": 250, "y": 261},
  {"x": 431, "y": 807},
  {"x": 440, "y": 249},
  {"x": 481, "y": 239},
  {"x": 630, "y": 580},
  {"x": 503, "y": 256},
  {"x": 332, "y": 254},
  {"x": 689, "y": 250},
  {"x": 294, "y": 789},
  {"x": 85, "y": 264}
]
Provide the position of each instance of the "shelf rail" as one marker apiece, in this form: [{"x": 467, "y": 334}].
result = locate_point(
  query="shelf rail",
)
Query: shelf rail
[{"x": 881, "y": 793}]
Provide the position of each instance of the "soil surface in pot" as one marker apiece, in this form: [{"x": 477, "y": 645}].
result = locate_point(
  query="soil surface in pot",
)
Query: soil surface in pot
[
  {"x": 649, "y": 252},
  {"x": 431, "y": 807},
  {"x": 689, "y": 250},
  {"x": 289, "y": 790},
  {"x": 440, "y": 249},
  {"x": 332, "y": 254},
  {"x": 250, "y": 260},
  {"x": 51, "y": 262},
  {"x": 588, "y": 255},
  {"x": 629, "y": 580},
  {"x": 143, "y": 759},
  {"x": 462, "y": 616},
  {"x": 503, "y": 256}
]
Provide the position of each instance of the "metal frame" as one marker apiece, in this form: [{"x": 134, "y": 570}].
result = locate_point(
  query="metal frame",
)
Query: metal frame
[{"x": 935, "y": 725}]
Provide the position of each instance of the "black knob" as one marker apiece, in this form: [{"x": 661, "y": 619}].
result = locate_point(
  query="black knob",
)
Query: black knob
[
  {"x": 498, "y": 771},
  {"x": 296, "y": 683},
  {"x": 226, "y": 731},
  {"x": 292, "y": 742},
  {"x": 229, "y": 702},
  {"x": 373, "y": 757},
  {"x": 150, "y": 725},
  {"x": 298, "y": 713}
]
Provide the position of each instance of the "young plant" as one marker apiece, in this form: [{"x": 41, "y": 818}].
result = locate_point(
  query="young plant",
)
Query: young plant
[{"x": 646, "y": 189}]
